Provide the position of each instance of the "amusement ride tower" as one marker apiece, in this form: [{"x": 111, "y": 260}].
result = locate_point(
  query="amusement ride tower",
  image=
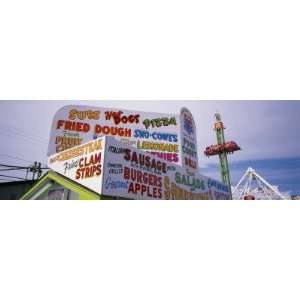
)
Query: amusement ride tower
[{"x": 221, "y": 149}]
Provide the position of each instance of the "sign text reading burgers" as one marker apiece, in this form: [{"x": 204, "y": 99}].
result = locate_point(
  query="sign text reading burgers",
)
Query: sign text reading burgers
[{"x": 134, "y": 174}]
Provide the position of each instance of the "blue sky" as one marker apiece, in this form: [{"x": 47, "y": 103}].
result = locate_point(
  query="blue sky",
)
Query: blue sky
[
  {"x": 267, "y": 131},
  {"x": 282, "y": 172}
]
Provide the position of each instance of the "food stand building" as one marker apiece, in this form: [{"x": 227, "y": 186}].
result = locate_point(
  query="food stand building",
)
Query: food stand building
[
  {"x": 105, "y": 168},
  {"x": 105, "y": 153}
]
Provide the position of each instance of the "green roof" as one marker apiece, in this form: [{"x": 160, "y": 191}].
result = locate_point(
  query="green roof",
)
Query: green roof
[{"x": 51, "y": 176}]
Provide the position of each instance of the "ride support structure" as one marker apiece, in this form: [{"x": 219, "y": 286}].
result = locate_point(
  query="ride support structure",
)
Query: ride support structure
[
  {"x": 222, "y": 148},
  {"x": 253, "y": 186}
]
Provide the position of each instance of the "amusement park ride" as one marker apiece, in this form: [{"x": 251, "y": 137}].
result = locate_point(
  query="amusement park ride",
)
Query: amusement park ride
[
  {"x": 251, "y": 186},
  {"x": 222, "y": 149}
]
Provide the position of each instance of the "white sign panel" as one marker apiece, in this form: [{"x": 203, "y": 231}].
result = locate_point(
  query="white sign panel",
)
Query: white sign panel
[
  {"x": 188, "y": 141},
  {"x": 134, "y": 174},
  {"x": 111, "y": 168},
  {"x": 179, "y": 185},
  {"x": 83, "y": 164},
  {"x": 155, "y": 133}
]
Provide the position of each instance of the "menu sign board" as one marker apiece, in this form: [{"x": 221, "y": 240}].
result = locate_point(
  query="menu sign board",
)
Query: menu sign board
[
  {"x": 154, "y": 133},
  {"x": 112, "y": 168},
  {"x": 134, "y": 174},
  {"x": 188, "y": 141},
  {"x": 179, "y": 185},
  {"x": 83, "y": 164}
]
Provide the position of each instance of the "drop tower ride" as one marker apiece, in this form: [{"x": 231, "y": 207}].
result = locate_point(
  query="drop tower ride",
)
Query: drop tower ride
[{"x": 221, "y": 149}]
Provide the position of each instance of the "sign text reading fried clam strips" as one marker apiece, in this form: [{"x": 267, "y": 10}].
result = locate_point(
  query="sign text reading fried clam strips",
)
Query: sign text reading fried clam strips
[{"x": 89, "y": 167}]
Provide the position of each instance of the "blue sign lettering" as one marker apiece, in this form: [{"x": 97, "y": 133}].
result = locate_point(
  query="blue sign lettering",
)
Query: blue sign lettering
[
  {"x": 145, "y": 134},
  {"x": 110, "y": 184}
]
